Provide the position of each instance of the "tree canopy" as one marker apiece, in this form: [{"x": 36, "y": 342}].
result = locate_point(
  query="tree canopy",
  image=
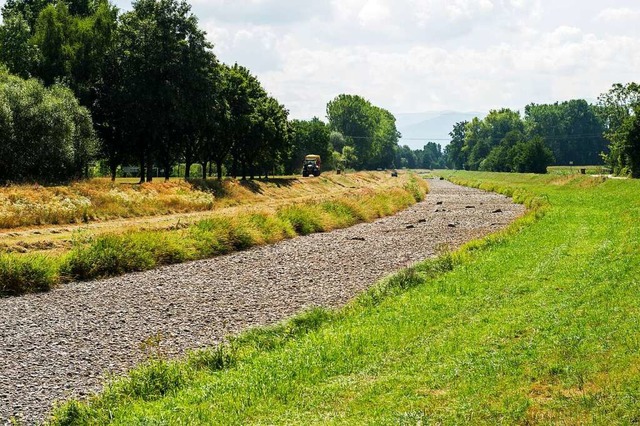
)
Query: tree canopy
[
  {"x": 369, "y": 129},
  {"x": 619, "y": 108},
  {"x": 46, "y": 136},
  {"x": 560, "y": 133}
]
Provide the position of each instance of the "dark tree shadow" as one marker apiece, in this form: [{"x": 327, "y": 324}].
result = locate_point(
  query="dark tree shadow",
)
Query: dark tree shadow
[
  {"x": 282, "y": 181},
  {"x": 213, "y": 186},
  {"x": 279, "y": 182},
  {"x": 251, "y": 185}
]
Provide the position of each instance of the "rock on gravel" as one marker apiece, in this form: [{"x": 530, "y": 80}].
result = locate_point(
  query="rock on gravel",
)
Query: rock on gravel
[{"x": 61, "y": 344}]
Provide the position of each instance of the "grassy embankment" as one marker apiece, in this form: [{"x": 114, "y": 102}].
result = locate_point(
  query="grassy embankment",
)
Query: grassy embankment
[
  {"x": 101, "y": 200},
  {"x": 267, "y": 212},
  {"x": 536, "y": 325}
]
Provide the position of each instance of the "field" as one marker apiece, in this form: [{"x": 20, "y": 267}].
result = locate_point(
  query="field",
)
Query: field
[
  {"x": 536, "y": 325},
  {"x": 236, "y": 215}
]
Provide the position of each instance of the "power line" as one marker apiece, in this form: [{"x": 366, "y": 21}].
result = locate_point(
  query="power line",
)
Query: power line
[{"x": 578, "y": 136}]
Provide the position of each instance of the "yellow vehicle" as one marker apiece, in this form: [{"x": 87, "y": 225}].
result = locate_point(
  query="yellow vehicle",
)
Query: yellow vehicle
[{"x": 312, "y": 164}]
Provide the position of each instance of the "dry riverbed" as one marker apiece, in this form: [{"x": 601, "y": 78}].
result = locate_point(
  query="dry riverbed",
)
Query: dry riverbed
[{"x": 63, "y": 343}]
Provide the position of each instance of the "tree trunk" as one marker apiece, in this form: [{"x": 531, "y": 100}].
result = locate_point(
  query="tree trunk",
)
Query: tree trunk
[
  {"x": 187, "y": 170},
  {"x": 142, "y": 170},
  {"x": 167, "y": 172},
  {"x": 204, "y": 170},
  {"x": 113, "y": 169},
  {"x": 149, "y": 169},
  {"x": 219, "y": 168}
]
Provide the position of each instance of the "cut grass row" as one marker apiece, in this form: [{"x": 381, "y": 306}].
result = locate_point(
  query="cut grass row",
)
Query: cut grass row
[
  {"x": 116, "y": 254},
  {"x": 535, "y": 325}
]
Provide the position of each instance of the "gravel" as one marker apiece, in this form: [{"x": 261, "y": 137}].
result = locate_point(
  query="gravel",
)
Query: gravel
[{"x": 63, "y": 343}]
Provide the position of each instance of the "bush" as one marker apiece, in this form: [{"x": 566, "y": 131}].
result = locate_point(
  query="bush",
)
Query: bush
[{"x": 46, "y": 136}]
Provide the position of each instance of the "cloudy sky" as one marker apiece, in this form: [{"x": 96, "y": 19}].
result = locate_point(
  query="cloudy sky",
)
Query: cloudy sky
[{"x": 427, "y": 55}]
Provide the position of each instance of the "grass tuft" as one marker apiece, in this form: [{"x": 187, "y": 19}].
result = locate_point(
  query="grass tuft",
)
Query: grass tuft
[
  {"x": 27, "y": 273},
  {"x": 153, "y": 380}
]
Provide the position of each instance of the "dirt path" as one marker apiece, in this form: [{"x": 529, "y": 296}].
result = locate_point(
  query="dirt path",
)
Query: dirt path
[{"x": 61, "y": 343}]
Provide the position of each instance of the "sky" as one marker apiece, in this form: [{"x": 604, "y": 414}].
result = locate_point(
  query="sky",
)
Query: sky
[{"x": 427, "y": 55}]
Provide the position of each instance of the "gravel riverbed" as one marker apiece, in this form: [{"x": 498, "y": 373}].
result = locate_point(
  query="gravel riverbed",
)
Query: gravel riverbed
[{"x": 63, "y": 343}]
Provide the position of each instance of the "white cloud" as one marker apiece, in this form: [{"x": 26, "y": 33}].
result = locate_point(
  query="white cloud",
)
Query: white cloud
[
  {"x": 374, "y": 12},
  {"x": 619, "y": 14}
]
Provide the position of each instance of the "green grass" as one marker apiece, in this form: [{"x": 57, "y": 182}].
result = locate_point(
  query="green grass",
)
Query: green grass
[
  {"x": 115, "y": 254},
  {"x": 536, "y": 325}
]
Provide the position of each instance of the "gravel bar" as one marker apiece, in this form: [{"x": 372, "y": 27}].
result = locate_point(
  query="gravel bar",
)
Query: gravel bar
[{"x": 65, "y": 342}]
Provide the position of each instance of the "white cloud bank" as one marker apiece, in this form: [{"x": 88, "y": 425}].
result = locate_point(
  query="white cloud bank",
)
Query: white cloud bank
[{"x": 420, "y": 55}]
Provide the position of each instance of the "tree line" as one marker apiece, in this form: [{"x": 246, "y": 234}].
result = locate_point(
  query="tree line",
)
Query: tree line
[
  {"x": 156, "y": 96},
  {"x": 144, "y": 87},
  {"x": 571, "y": 132},
  {"x": 560, "y": 133}
]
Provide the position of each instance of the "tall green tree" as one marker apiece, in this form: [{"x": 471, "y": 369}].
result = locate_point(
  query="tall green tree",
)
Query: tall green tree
[
  {"x": 432, "y": 156},
  {"x": 454, "y": 153},
  {"x": 156, "y": 40},
  {"x": 618, "y": 109},
  {"x": 631, "y": 146},
  {"x": 54, "y": 40},
  {"x": 29, "y": 10},
  {"x": 573, "y": 130},
  {"x": 244, "y": 94},
  {"x": 352, "y": 116},
  {"x": 484, "y": 135},
  {"x": 385, "y": 140},
  {"x": 369, "y": 129},
  {"x": 406, "y": 157},
  {"x": 532, "y": 156},
  {"x": 17, "y": 51}
]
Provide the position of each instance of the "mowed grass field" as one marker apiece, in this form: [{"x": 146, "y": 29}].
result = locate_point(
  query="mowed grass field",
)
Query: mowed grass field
[
  {"x": 240, "y": 215},
  {"x": 537, "y": 325}
]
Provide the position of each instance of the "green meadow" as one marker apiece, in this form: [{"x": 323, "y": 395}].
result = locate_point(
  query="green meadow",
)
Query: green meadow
[{"x": 539, "y": 324}]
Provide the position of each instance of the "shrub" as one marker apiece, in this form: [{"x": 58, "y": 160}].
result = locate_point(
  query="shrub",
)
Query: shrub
[{"x": 26, "y": 273}]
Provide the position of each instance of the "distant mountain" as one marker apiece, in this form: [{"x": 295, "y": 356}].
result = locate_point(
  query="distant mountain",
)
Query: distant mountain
[{"x": 419, "y": 128}]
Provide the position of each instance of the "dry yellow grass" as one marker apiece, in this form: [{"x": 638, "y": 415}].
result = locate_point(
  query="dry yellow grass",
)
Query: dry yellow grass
[
  {"x": 100, "y": 199},
  {"x": 38, "y": 218}
]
